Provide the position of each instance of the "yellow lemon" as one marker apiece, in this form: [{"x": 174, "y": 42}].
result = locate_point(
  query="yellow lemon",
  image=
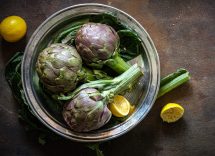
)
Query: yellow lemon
[
  {"x": 13, "y": 28},
  {"x": 120, "y": 106},
  {"x": 171, "y": 112}
]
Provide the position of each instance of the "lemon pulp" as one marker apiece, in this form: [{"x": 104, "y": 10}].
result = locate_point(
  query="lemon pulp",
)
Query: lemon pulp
[{"x": 171, "y": 112}]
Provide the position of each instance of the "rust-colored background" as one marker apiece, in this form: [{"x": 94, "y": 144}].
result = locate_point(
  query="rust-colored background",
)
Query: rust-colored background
[{"x": 184, "y": 34}]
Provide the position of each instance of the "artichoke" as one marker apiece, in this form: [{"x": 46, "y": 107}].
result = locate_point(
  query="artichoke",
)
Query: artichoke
[
  {"x": 87, "y": 109},
  {"x": 98, "y": 45},
  {"x": 58, "y": 66}
]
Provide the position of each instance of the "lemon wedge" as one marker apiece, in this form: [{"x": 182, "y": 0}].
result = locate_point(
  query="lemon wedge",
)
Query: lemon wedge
[
  {"x": 171, "y": 112},
  {"x": 120, "y": 106}
]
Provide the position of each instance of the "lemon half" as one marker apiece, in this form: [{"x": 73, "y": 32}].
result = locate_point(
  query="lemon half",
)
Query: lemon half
[
  {"x": 120, "y": 106},
  {"x": 171, "y": 112}
]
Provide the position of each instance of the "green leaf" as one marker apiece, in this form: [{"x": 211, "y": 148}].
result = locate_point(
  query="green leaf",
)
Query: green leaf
[
  {"x": 13, "y": 77},
  {"x": 95, "y": 147},
  {"x": 109, "y": 19},
  {"x": 130, "y": 44},
  {"x": 41, "y": 140},
  {"x": 68, "y": 33}
]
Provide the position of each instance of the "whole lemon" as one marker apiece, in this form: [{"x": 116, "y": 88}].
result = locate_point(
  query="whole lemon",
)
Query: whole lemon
[{"x": 13, "y": 28}]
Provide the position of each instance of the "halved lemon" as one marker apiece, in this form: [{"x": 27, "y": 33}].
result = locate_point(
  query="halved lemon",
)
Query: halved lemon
[
  {"x": 171, "y": 112},
  {"x": 120, "y": 106}
]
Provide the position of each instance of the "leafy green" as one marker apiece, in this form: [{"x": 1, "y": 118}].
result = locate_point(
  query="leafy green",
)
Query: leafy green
[
  {"x": 109, "y": 19},
  {"x": 41, "y": 139},
  {"x": 95, "y": 147},
  {"x": 67, "y": 34},
  {"x": 130, "y": 44},
  {"x": 13, "y": 77}
]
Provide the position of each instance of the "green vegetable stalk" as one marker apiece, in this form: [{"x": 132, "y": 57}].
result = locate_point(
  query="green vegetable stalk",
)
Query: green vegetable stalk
[{"x": 172, "y": 81}]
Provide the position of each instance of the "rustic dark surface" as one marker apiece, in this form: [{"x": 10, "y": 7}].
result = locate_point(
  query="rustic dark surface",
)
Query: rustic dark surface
[{"x": 184, "y": 35}]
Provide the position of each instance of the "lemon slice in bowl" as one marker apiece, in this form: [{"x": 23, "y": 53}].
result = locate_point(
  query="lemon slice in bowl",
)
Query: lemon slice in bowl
[
  {"x": 171, "y": 112},
  {"x": 120, "y": 106}
]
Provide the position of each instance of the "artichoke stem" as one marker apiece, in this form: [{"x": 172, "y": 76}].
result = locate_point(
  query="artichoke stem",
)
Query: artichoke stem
[
  {"x": 117, "y": 64},
  {"x": 125, "y": 79}
]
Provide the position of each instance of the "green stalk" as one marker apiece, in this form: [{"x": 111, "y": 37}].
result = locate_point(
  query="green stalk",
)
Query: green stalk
[
  {"x": 172, "y": 76},
  {"x": 172, "y": 81},
  {"x": 99, "y": 84},
  {"x": 117, "y": 64},
  {"x": 125, "y": 81},
  {"x": 107, "y": 87}
]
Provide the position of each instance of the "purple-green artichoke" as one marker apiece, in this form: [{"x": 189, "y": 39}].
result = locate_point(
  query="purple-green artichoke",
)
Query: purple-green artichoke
[
  {"x": 87, "y": 111},
  {"x": 58, "y": 66},
  {"x": 96, "y": 41},
  {"x": 98, "y": 45}
]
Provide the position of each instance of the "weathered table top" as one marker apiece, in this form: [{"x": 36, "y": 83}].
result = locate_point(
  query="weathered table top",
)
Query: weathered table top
[{"x": 184, "y": 35}]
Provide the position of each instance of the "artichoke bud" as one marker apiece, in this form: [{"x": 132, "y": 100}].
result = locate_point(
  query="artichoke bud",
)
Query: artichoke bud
[
  {"x": 96, "y": 43},
  {"x": 57, "y": 66},
  {"x": 87, "y": 111}
]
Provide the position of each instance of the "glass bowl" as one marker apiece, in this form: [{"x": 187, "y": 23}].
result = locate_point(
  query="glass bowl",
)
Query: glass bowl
[{"x": 143, "y": 95}]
